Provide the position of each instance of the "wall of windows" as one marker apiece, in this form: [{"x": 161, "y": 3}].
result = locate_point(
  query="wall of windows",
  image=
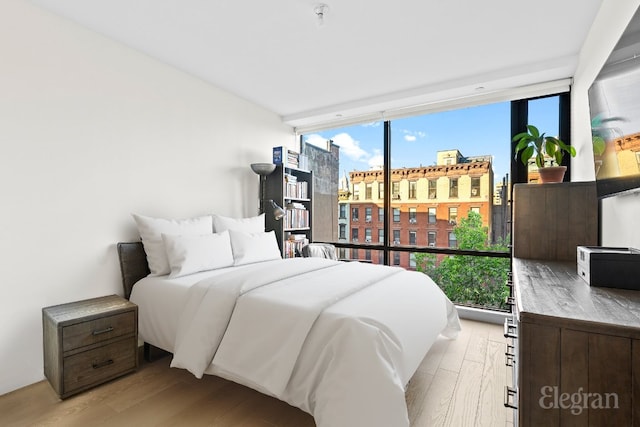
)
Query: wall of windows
[{"x": 441, "y": 172}]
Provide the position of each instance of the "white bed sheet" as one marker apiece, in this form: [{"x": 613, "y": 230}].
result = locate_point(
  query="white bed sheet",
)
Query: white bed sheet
[
  {"x": 353, "y": 368},
  {"x": 160, "y": 300}
]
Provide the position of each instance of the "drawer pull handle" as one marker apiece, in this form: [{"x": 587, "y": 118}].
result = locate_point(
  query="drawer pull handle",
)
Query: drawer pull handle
[
  {"x": 102, "y": 364},
  {"x": 509, "y": 329},
  {"x": 510, "y": 360},
  {"x": 508, "y": 394},
  {"x": 102, "y": 331},
  {"x": 510, "y": 356}
]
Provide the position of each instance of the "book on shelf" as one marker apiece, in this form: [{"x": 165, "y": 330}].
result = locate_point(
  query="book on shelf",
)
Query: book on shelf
[
  {"x": 293, "y": 248},
  {"x": 285, "y": 157},
  {"x": 297, "y": 237},
  {"x": 296, "y": 189},
  {"x": 297, "y": 216}
]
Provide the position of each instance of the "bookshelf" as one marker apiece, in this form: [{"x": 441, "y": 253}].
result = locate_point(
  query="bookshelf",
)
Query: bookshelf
[{"x": 291, "y": 188}]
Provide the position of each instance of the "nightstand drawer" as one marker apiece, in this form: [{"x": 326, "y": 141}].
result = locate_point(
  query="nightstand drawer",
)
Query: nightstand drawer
[
  {"x": 99, "y": 365},
  {"x": 102, "y": 329},
  {"x": 89, "y": 342}
]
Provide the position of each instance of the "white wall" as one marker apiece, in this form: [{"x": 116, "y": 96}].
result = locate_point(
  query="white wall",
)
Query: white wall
[
  {"x": 91, "y": 131},
  {"x": 619, "y": 214}
]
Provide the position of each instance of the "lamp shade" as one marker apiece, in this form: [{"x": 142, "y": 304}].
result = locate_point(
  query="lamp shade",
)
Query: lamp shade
[
  {"x": 263, "y": 168},
  {"x": 278, "y": 212}
]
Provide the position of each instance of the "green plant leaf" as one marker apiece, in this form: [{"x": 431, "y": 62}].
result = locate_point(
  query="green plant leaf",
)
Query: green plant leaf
[
  {"x": 521, "y": 145},
  {"x": 521, "y": 135},
  {"x": 533, "y": 131},
  {"x": 550, "y": 147},
  {"x": 526, "y": 154},
  {"x": 558, "y": 157}
]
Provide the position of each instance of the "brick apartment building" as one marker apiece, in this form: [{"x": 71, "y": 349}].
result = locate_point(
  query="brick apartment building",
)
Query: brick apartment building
[{"x": 426, "y": 203}]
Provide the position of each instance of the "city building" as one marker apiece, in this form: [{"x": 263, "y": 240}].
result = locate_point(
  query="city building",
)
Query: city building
[{"x": 426, "y": 203}]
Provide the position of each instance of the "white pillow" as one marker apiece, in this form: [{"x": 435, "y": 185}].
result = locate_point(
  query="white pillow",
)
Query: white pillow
[
  {"x": 151, "y": 230},
  {"x": 254, "y": 224},
  {"x": 191, "y": 254},
  {"x": 254, "y": 247}
]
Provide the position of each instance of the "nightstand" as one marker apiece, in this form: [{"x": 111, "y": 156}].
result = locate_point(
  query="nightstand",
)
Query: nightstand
[{"x": 89, "y": 342}]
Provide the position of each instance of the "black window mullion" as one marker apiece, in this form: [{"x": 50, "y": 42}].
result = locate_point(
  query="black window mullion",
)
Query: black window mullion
[
  {"x": 519, "y": 121},
  {"x": 564, "y": 131},
  {"x": 386, "y": 170}
]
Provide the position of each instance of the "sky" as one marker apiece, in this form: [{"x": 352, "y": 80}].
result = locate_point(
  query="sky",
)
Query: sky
[{"x": 474, "y": 131}]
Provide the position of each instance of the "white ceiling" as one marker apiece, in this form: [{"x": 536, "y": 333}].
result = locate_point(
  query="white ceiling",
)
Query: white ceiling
[{"x": 370, "y": 55}]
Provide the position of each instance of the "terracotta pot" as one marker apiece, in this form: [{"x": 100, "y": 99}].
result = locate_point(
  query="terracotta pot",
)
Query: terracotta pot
[{"x": 552, "y": 174}]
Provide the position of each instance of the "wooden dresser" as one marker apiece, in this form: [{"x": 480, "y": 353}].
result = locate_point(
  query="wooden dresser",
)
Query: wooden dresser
[
  {"x": 89, "y": 342},
  {"x": 577, "y": 349}
]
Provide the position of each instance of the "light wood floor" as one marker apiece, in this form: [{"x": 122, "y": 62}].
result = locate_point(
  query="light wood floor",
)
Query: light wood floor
[{"x": 459, "y": 383}]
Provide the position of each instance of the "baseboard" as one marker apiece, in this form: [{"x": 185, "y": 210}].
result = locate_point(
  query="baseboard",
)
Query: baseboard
[{"x": 482, "y": 315}]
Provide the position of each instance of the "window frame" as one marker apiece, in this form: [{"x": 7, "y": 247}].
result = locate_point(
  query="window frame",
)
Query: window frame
[
  {"x": 413, "y": 190},
  {"x": 519, "y": 121},
  {"x": 434, "y": 216},
  {"x": 432, "y": 188},
  {"x": 453, "y": 187}
]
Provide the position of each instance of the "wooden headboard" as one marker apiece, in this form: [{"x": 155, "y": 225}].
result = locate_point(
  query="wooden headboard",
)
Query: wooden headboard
[{"x": 133, "y": 264}]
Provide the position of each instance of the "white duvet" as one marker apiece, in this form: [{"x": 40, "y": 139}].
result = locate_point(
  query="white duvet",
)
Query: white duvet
[{"x": 338, "y": 340}]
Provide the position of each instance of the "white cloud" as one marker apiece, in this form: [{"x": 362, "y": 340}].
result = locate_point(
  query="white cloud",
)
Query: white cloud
[
  {"x": 317, "y": 140},
  {"x": 411, "y": 136},
  {"x": 350, "y": 147},
  {"x": 376, "y": 161}
]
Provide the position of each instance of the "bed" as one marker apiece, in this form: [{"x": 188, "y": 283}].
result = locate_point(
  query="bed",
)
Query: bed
[{"x": 339, "y": 340}]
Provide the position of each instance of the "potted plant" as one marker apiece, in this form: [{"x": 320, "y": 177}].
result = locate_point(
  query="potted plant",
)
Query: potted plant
[{"x": 533, "y": 143}]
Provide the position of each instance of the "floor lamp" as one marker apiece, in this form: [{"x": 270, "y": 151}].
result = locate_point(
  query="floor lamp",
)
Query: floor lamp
[{"x": 264, "y": 169}]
